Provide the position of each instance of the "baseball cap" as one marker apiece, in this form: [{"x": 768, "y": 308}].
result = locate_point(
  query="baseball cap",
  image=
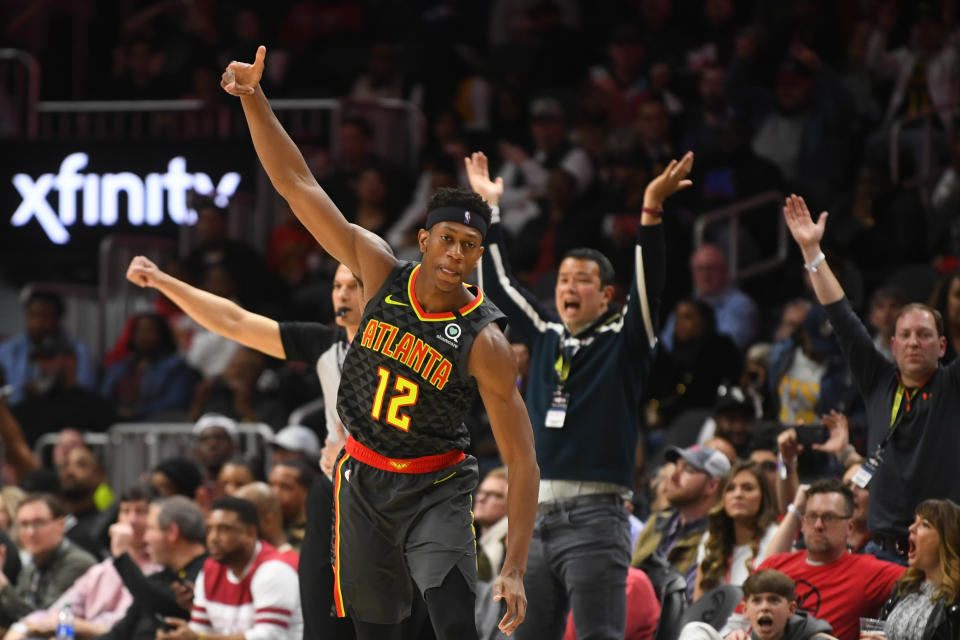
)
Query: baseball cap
[
  {"x": 296, "y": 437},
  {"x": 733, "y": 399},
  {"x": 701, "y": 458},
  {"x": 820, "y": 332},
  {"x": 210, "y": 420}
]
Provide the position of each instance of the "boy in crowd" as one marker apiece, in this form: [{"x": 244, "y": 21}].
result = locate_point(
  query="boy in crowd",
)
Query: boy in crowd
[{"x": 770, "y": 606}]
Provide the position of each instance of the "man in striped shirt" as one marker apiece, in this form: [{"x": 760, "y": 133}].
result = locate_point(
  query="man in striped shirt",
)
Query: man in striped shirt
[{"x": 247, "y": 590}]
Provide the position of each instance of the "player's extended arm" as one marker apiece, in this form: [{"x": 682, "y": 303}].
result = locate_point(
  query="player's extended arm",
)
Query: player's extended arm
[
  {"x": 491, "y": 363},
  {"x": 808, "y": 236},
  {"x": 217, "y": 314},
  {"x": 290, "y": 175}
]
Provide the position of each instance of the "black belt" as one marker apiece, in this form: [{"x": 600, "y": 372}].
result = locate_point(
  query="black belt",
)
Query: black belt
[
  {"x": 566, "y": 504},
  {"x": 898, "y": 546}
]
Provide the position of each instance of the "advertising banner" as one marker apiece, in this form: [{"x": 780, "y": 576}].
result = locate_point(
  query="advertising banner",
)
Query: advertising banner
[{"x": 58, "y": 200}]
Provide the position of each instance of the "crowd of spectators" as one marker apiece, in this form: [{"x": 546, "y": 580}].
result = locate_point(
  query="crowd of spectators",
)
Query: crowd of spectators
[{"x": 578, "y": 107}]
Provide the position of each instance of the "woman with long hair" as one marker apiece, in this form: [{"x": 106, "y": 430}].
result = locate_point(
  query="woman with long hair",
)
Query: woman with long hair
[
  {"x": 739, "y": 529},
  {"x": 153, "y": 379},
  {"x": 925, "y": 604},
  {"x": 946, "y": 300}
]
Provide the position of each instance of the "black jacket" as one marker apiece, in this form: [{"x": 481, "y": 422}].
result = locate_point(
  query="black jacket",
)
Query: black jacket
[
  {"x": 152, "y": 597},
  {"x": 943, "y": 623}
]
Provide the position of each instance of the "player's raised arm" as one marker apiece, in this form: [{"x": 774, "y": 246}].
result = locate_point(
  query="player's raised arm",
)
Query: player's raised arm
[
  {"x": 492, "y": 365},
  {"x": 291, "y": 177}
]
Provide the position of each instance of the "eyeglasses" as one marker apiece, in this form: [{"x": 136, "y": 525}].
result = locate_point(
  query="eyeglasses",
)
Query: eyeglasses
[
  {"x": 768, "y": 465},
  {"x": 33, "y": 524},
  {"x": 827, "y": 518}
]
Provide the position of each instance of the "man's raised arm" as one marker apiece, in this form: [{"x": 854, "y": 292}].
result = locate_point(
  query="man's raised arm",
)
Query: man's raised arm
[
  {"x": 808, "y": 236},
  {"x": 865, "y": 361},
  {"x": 293, "y": 180}
]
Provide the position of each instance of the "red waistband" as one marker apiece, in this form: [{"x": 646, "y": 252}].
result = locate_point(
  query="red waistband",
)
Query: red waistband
[{"x": 424, "y": 464}]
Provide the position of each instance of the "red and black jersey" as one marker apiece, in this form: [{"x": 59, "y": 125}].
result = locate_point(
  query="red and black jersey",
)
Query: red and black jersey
[{"x": 405, "y": 387}]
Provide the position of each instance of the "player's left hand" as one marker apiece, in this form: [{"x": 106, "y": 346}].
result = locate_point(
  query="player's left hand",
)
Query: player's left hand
[{"x": 509, "y": 587}]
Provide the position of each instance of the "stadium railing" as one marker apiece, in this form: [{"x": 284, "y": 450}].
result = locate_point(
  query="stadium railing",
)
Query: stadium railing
[
  {"x": 128, "y": 449},
  {"x": 19, "y": 93},
  {"x": 925, "y": 124},
  {"x": 732, "y": 215}
]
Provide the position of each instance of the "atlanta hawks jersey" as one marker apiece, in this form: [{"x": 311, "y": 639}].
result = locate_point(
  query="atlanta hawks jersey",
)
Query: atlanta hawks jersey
[{"x": 405, "y": 387}]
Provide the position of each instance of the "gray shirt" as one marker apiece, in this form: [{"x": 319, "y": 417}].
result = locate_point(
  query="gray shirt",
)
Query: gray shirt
[{"x": 38, "y": 587}]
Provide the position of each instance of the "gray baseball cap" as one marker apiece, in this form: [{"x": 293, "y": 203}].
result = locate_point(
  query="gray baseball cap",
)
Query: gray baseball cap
[{"x": 701, "y": 458}]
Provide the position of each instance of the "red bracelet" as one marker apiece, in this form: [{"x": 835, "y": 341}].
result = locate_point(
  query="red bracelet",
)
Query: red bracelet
[{"x": 652, "y": 211}]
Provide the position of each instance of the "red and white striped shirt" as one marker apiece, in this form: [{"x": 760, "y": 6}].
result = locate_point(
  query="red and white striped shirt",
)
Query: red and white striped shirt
[{"x": 263, "y": 603}]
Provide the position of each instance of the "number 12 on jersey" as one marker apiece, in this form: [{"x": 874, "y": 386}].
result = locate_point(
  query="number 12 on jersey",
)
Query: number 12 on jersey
[{"x": 406, "y": 396}]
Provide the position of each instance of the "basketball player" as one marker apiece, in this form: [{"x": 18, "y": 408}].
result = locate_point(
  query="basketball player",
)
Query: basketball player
[{"x": 402, "y": 488}]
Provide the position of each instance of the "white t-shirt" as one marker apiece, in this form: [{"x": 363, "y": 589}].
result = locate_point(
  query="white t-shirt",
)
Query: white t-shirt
[
  {"x": 799, "y": 389},
  {"x": 741, "y": 554}
]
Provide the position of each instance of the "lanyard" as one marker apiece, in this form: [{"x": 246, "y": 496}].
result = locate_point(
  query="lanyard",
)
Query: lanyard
[
  {"x": 897, "y": 399},
  {"x": 569, "y": 345},
  {"x": 896, "y": 417},
  {"x": 565, "y": 357}
]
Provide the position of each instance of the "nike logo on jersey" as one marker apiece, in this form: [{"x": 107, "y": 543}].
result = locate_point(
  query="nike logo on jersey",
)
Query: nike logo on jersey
[{"x": 389, "y": 300}]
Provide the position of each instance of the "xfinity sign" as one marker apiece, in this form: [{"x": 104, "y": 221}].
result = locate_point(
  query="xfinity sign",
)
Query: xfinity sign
[{"x": 99, "y": 196}]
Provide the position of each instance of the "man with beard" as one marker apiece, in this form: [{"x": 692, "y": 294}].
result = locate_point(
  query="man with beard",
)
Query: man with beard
[
  {"x": 290, "y": 482},
  {"x": 834, "y": 584},
  {"x": 80, "y": 475},
  {"x": 692, "y": 490},
  {"x": 246, "y": 588}
]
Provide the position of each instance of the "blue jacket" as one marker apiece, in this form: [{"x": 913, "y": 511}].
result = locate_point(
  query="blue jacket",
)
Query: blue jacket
[
  {"x": 166, "y": 384},
  {"x": 18, "y": 370},
  {"x": 598, "y": 439}
]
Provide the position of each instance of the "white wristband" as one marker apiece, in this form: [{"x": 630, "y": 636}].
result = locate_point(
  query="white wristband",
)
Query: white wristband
[
  {"x": 816, "y": 262},
  {"x": 494, "y": 214},
  {"x": 792, "y": 510}
]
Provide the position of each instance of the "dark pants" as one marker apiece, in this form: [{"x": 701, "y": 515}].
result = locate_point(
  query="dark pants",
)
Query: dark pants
[
  {"x": 578, "y": 560},
  {"x": 316, "y": 578}
]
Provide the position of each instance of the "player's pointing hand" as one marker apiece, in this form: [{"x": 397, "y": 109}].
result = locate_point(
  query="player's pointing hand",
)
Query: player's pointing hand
[{"x": 241, "y": 78}]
